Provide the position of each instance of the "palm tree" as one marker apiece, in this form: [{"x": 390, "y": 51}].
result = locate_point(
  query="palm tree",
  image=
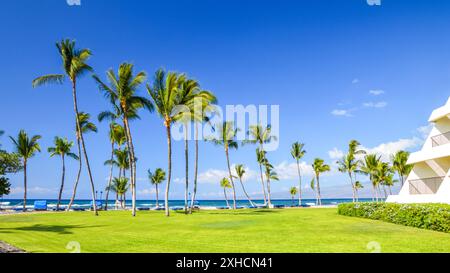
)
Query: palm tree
[
  {"x": 261, "y": 159},
  {"x": 26, "y": 148},
  {"x": 298, "y": 152},
  {"x": 190, "y": 95},
  {"x": 120, "y": 186},
  {"x": 225, "y": 184},
  {"x": 368, "y": 167},
  {"x": 270, "y": 175},
  {"x": 319, "y": 167},
  {"x": 157, "y": 178},
  {"x": 74, "y": 64},
  {"x": 226, "y": 138},
  {"x": 62, "y": 148},
  {"x": 203, "y": 105},
  {"x": 399, "y": 163},
  {"x": 116, "y": 136},
  {"x": 240, "y": 171},
  {"x": 121, "y": 93},
  {"x": 313, "y": 188},
  {"x": 86, "y": 126},
  {"x": 260, "y": 135},
  {"x": 348, "y": 165},
  {"x": 358, "y": 186},
  {"x": 293, "y": 191},
  {"x": 165, "y": 95},
  {"x": 384, "y": 176}
]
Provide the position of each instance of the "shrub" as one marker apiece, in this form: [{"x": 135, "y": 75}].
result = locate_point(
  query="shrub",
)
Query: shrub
[{"x": 426, "y": 216}]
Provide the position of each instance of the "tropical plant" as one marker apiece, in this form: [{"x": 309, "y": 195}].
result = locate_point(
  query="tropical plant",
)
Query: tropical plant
[
  {"x": 349, "y": 165},
  {"x": 121, "y": 93},
  {"x": 293, "y": 191},
  {"x": 62, "y": 148},
  {"x": 165, "y": 95},
  {"x": 225, "y": 184},
  {"x": 86, "y": 126},
  {"x": 260, "y": 135},
  {"x": 399, "y": 164},
  {"x": 26, "y": 148},
  {"x": 120, "y": 186},
  {"x": 271, "y": 175},
  {"x": 240, "y": 171},
  {"x": 319, "y": 167},
  {"x": 157, "y": 178},
  {"x": 74, "y": 65},
  {"x": 298, "y": 152},
  {"x": 5, "y": 186},
  {"x": 368, "y": 167},
  {"x": 116, "y": 136},
  {"x": 383, "y": 176},
  {"x": 261, "y": 159},
  {"x": 226, "y": 137}
]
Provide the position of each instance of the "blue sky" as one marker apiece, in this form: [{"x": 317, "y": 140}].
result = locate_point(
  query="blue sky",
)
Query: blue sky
[{"x": 339, "y": 70}]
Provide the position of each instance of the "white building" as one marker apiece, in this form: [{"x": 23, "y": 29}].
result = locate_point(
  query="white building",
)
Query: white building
[{"x": 429, "y": 181}]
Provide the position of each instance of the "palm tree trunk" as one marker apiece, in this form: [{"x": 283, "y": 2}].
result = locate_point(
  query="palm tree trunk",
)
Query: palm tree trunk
[
  {"x": 231, "y": 178},
  {"x": 80, "y": 133},
  {"x": 110, "y": 175},
  {"x": 353, "y": 186},
  {"x": 262, "y": 183},
  {"x": 319, "y": 197},
  {"x": 195, "y": 169},
  {"x": 132, "y": 162},
  {"x": 62, "y": 182},
  {"x": 169, "y": 169},
  {"x": 80, "y": 165},
  {"x": 226, "y": 198},
  {"x": 186, "y": 156},
  {"x": 157, "y": 201},
  {"x": 24, "y": 185},
  {"x": 269, "y": 199},
  {"x": 299, "y": 184},
  {"x": 246, "y": 194}
]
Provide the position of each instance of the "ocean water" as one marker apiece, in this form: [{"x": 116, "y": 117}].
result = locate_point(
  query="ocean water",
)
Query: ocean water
[{"x": 178, "y": 203}]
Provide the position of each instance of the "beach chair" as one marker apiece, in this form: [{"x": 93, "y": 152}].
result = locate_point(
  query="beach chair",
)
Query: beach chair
[
  {"x": 40, "y": 205},
  {"x": 98, "y": 204}
]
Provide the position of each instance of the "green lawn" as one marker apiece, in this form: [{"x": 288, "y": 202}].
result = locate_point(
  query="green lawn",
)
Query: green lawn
[{"x": 304, "y": 230}]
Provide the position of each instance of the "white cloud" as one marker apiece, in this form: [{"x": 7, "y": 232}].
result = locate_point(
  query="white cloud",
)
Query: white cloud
[
  {"x": 34, "y": 190},
  {"x": 380, "y": 104},
  {"x": 376, "y": 92},
  {"x": 288, "y": 171},
  {"x": 355, "y": 81},
  {"x": 385, "y": 150},
  {"x": 146, "y": 191},
  {"x": 213, "y": 176},
  {"x": 341, "y": 112},
  {"x": 336, "y": 153}
]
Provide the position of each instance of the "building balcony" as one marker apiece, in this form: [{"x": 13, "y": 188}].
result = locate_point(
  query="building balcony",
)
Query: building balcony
[
  {"x": 440, "y": 140},
  {"x": 425, "y": 186}
]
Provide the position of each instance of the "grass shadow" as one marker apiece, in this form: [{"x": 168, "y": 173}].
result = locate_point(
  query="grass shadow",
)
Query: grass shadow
[
  {"x": 59, "y": 229},
  {"x": 247, "y": 212}
]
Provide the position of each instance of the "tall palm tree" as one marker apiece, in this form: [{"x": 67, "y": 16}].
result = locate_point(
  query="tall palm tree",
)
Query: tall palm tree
[
  {"x": 399, "y": 163},
  {"x": 86, "y": 126},
  {"x": 368, "y": 167},
  {"x": 120, "y": 186},
  {"x": 240, "y": 171},
  {"x": 271, "y": 175},
  {"x": 74, "y": 64},
  {"x": 260, "y": 135},
  {"x": 298, "y": 152},
  {"x": 225, "y": 184},
  {"x": 348, "y": 165},
  {"x": 165, "y": 95},
  {"x": 319, "y": 167},
  {"x": 157, "y": 178},
  {"x": 293, "y": 191},
  {"x": 384, "y": 176},
  {"x": 116, "y": 136},
  {"x": 261, "y": 159},
  {"x": 190, "y": 95},
  {"x": 122, "y": 94},
  {"x": 62, "y": 148},
  {"x": 226, "y": 137},
  {"x": 26, "y": 148}
]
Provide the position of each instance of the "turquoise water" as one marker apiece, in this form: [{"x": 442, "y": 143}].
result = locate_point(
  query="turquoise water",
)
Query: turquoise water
[{"x": 179, "y": 203}]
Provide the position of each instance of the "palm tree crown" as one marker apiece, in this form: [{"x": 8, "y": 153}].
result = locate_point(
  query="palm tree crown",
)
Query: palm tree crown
[
  {"x": 25, "y": 146},
  {"x": 62, "y": 148},
  {"x": 157, "y": 177}
]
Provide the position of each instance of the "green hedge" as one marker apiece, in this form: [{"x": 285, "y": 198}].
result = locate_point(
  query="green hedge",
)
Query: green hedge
[{"x": 426, "y": 216}]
